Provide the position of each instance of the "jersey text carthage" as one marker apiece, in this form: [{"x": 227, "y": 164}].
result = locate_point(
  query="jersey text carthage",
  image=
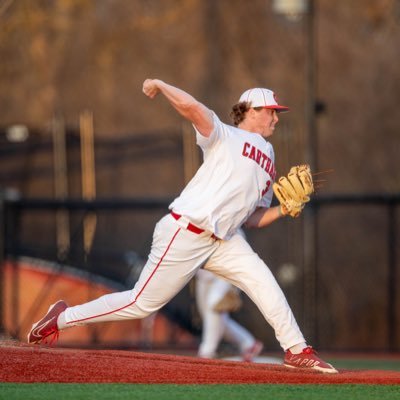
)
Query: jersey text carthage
[{"x": 260, "y": 158}]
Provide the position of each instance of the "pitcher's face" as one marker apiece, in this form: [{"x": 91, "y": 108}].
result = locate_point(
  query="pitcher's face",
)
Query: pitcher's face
[{"x": 266, "y": 119}]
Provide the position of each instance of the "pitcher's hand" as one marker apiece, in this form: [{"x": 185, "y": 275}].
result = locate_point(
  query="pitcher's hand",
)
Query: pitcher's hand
[{"x": 150, "y": 88}]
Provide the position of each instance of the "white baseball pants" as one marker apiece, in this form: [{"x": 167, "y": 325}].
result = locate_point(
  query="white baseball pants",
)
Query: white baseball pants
[{"x": 176, "y": 254}]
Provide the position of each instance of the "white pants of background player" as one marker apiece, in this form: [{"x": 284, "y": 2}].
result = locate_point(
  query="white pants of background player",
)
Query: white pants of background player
[
  {"x": 216, "y": 326},
  {"x": 176, "y": 255}
]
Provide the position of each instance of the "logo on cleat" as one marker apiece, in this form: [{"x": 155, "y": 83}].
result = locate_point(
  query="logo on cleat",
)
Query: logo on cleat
[
  {"x": 304, "y": 362},
  {"x": 37, "y": 333}
]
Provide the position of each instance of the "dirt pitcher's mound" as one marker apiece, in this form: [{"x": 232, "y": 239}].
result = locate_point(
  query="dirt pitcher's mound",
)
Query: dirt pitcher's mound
[{"x": 24, "y": 363}]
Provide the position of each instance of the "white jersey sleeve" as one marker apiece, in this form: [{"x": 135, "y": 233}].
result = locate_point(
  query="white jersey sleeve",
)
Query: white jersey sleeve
[{"x": 216, "y": 134}]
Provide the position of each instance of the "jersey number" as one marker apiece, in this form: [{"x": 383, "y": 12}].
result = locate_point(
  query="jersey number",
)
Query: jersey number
[{"x": 266, "y": 188}]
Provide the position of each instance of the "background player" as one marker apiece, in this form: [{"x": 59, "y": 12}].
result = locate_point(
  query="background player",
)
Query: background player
[
  {"x": 233, "y": 186},
  {"x": 217, "y": 324}
]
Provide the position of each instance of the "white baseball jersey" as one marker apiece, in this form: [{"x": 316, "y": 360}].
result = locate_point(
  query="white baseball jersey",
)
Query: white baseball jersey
[{"x": 237, "y": 175}]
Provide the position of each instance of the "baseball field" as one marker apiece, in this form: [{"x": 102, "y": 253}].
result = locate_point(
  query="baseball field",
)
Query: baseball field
[{"x": 40, "y": 372}]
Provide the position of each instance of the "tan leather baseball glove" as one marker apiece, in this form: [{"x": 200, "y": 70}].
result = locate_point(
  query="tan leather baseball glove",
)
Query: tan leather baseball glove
[
  {"x": 230, "y": 302},
  {"x": 294, "y": 190}
]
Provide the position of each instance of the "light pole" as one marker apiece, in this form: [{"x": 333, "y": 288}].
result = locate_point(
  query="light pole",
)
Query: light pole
[
  {"x": 295, "y": 10},
  {"x": 291, "y": 9}
]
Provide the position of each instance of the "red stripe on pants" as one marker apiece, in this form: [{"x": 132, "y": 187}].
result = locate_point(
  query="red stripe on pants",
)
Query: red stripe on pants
[{"x": 141, "y": 291}]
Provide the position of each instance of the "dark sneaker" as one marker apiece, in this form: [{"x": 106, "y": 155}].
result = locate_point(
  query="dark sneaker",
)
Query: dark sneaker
[
  {"x": 47, "y": 326},
  {"x": 253, "y": 351},
  {"x": 308, "y": 359}
]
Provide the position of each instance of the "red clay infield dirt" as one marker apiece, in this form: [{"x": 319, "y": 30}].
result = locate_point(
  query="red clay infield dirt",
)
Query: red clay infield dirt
[{"x": 34, "y": 363}]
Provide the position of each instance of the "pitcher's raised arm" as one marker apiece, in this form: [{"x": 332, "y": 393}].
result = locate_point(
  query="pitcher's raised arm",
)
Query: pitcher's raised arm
[{"x": 186, "y": 105}]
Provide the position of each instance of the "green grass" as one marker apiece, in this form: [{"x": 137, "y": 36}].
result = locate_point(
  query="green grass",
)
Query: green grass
[{"x": 43, "y": 391}]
